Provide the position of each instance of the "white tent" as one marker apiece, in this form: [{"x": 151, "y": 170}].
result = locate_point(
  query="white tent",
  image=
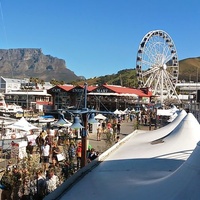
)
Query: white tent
[
  {"x": 22, "y": 124},
  {"x": 100, "y": 116},
  {"x": 117, "y": 112}
]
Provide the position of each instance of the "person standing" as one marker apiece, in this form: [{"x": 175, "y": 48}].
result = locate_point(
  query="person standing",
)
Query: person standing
[
  {"x": 52, "y": 181},
  {"x": 49, "y": 139},
  {"x": 72, "y": 152},
  {"x": 78, "y": 155},
  {"x": 92, "y": 155},
  {"x": 16, "y": 182},
  {"x": 52, "y": 132},
  {"x": 40, "y": 141},
  {"x": 72, "y": 156},
  {"x": 99, "y": 132},
  {"x": 6, "y": 184},
  {"x": 111, "y": 131},
  {"x": 103, "y": 126},
  {"x": 41, "y": 185},
  {"x": 55, "y": 152},
  {"x": 29, "y": 148},
  {"x": 118, "y": 128},
  {"x": 24, "y": 189},
  {"x": 45, "y": 155}
]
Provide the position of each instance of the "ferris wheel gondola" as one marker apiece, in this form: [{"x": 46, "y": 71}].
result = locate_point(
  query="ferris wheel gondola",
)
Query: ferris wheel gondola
[{"x": 157, "y": 64}]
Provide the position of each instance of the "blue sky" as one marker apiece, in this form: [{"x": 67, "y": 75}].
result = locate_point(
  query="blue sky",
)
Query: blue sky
[{"x": 98, "y": 37}]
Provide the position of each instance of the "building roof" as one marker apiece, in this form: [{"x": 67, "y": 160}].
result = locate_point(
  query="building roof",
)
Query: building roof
[
  {"x": 126, "y": 90},
  {"x": 12, "y": 80},
  {"x": 66, "y": 87},
  {"x": 89, "y": 87},
  {"x": 38, "y": 92}
]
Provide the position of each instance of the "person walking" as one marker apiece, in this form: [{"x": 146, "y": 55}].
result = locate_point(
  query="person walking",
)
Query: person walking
[{"x": 40, "y": 141}]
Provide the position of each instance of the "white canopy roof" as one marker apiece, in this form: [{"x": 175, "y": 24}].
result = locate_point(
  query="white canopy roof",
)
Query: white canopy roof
[
  {"x": 165, "y": 170},
  {"x": 22, "y": 124}
]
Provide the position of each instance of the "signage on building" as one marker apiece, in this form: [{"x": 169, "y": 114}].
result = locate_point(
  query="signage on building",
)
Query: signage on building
[
  {"x": 56, "y": 90},
  {"x": 78, "y": 90},
  {"x": 102, "y": 90}
]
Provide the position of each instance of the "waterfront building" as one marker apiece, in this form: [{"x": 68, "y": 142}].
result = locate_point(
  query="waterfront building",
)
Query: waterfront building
[{"x": 98, "y": 97}]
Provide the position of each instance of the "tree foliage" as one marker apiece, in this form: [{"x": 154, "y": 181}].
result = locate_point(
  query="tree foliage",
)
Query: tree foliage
[{"x": 126, "y": 77}]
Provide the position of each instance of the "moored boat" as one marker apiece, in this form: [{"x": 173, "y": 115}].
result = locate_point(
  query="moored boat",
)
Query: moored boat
[
  {"x": 46, "y": 119},
  {"x": 9, "y": 109}
]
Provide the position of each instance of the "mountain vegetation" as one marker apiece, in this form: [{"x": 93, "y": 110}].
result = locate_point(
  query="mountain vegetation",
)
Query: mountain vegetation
[{"x": 189, "y": 70}]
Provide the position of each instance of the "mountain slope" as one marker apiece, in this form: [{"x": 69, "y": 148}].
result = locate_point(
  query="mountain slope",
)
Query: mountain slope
[
  {"x": 26, "y": 63},
  {"x": 189, "y": 69}
]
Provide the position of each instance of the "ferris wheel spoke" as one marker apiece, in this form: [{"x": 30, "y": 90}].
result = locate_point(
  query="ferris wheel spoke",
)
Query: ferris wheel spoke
[
  {"x": 169, "y": 84},
  {"x": 157, "y": 83},
  {"x": 151, "y": 78},
  {"x": 167, "y": 59},
  {"x": 147, "y": 63},
  {"x": 148, "y": 55},
  {"x": 150, "y": 71}
]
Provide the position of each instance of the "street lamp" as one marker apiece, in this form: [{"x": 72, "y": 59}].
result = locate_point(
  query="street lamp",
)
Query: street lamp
[{"x": 84, "y": 128}]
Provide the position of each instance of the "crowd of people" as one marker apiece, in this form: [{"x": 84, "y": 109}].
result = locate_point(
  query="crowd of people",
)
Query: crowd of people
[
  {"x": 110, "y": 128},
  {"x": 54, "y": 159},
  {"x": 56, "y": 156}
]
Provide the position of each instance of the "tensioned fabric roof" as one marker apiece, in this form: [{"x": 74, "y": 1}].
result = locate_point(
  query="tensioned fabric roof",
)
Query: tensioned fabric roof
[{"x": 166, "y": 170}]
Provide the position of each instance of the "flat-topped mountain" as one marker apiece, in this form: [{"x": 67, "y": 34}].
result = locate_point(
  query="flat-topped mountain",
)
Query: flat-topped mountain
[{"x": 26, "y": 63}]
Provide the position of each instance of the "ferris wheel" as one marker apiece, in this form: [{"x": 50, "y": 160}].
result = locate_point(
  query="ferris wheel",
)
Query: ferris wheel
[{"x": 157, "y": 64}]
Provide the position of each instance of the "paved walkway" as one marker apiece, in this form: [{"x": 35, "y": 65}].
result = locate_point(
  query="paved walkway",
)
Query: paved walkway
[{"x": 101, "y": 146}]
